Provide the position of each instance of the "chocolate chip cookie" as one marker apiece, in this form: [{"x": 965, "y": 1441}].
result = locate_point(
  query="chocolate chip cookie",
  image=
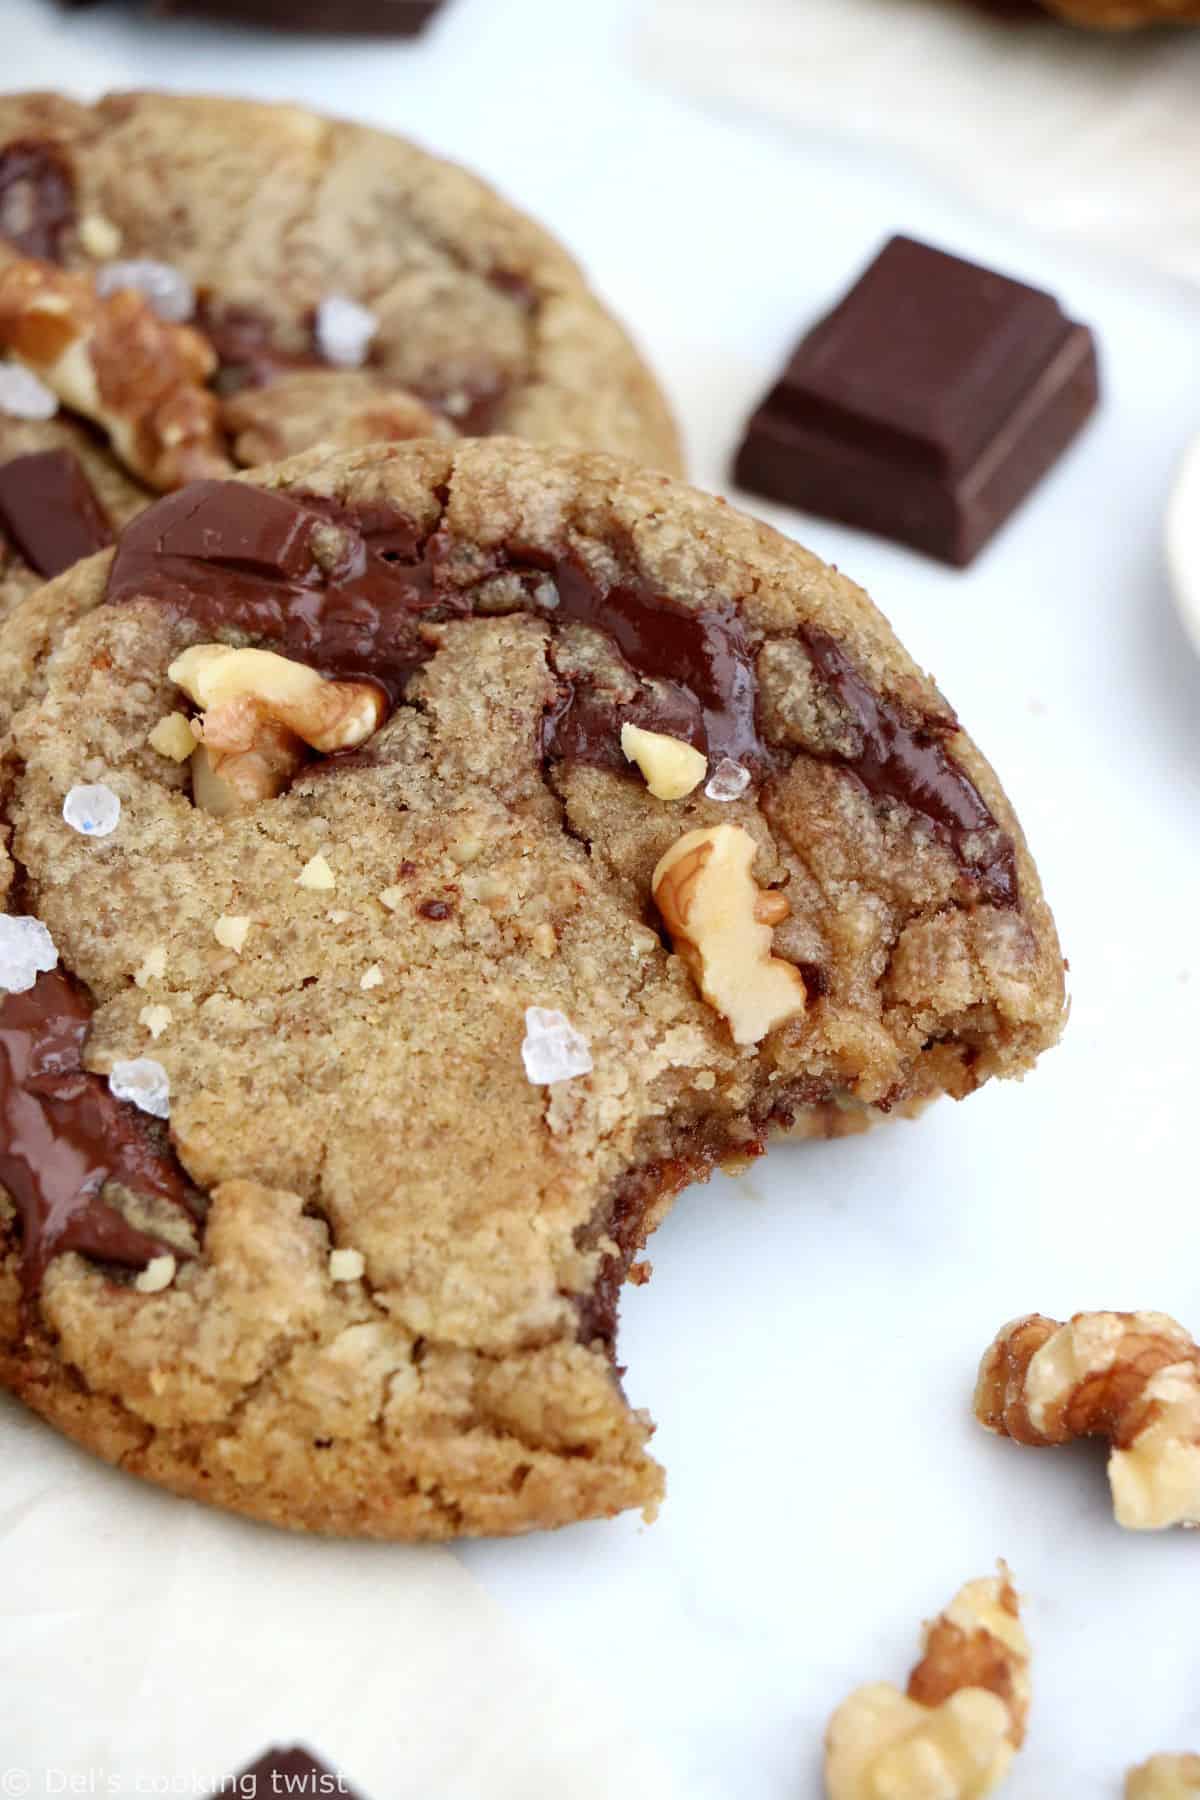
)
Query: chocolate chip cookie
[
  {"x": 192, "y": 285},
  {"x": 423, "y": 862},
  {"x": 1125, "y": 15}
]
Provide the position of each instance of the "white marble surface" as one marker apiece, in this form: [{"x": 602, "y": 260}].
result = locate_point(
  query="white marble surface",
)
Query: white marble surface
[{"x": 809, "y": 1340}]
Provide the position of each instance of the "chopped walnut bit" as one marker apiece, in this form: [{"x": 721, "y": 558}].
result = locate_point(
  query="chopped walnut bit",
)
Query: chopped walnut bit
[
  {"x": 672, "y": 768},
  {"x": 155, "y": 1019},
  {"x": 346, "y": 1265},
  {"x": 139, "y": 377},
  {"x": 158, "y": 1274},
  {"x": 1164, "y": 1778},
  {"x": 1133, "y": 1378},
  {"x": 154, "y": 966},
  {"x": 260, "y": 709},
  {"x": 99, "y": 236},
  {"x": 317, "y": 874},
  {"x": 721, "y": 923},
  {"x": 231, "y": 931},
  {"x": 373, "y": 978},
  {"x": 173, "y": 737},
  {"x": 952, "y": 1736}
]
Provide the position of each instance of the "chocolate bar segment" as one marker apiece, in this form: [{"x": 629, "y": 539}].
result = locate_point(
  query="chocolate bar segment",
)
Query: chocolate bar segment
[
  {"x": 926, "y": 405},
  {"x": 291, "y": 1771},
  {"x": 349, "y": 18},
  {"x": 49, "y": 509}
]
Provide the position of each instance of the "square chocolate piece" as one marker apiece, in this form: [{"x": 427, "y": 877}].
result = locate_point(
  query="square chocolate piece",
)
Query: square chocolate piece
[
  {"x": 926, "y": 405},
  {"x": 349, "y": 18},
  {"x": 291, "y": 1771}
]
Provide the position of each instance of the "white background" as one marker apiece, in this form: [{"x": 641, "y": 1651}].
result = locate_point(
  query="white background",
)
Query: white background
[{"x": 809, "y": 1340}]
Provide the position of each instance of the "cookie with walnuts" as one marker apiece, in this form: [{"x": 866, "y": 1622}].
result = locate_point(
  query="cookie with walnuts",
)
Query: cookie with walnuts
[
  {"x": 422, "y": 862},
  {"x": 192, "y": 285}
]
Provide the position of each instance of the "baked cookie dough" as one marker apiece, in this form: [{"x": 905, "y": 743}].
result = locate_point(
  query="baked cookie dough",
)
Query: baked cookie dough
[
  {"x": 620, "y": 832},
  {"x": 1124, "y": 15},
  {"x": 203, "y": 284}
]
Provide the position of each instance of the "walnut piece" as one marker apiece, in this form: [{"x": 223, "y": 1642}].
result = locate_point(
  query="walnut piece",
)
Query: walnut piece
[
  {"x": 114, "y": 360},
  {"x": 259, "y": 711},
  {"x": 721, "y": 923},
  {"x": 671, "y": 767},
  {"x": 954, "y": 1733},
  {"x": 1164, "y": 1778},
  {"x": 1133, "y": 1378}
]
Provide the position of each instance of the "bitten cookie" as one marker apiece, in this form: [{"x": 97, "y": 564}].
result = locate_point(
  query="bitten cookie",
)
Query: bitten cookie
[
  {"x": 202, "y": 284},
  {"x": 452, "y": 850}
]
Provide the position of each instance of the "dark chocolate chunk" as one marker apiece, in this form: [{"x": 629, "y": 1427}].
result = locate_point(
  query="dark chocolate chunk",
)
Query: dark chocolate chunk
[
  {"x": 49, "y": 509},
  {"x": 926, "y": 405},
  {"x": 63, "y": 1135},
  {"x": 37, "y": 197},
  {"x": 290, "y": 1771},
  {"x": 228, "y": 554},
  {"x": 909, "y": 762},
  {"x": 351, "y": 18}
]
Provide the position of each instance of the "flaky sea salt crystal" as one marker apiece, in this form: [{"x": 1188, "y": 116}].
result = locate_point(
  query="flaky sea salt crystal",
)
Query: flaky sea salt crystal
[
  {"x": 553, "y": 1050},
  {"x": 164, "y": 287},
  {"x": 344, "y": 330},
  {"x": 23, "y": 396},
  {"x": 92, "y": 809},
  {"x": 26, "y": 951},
  {"x": 728, "y": 781},
  {"x": 143, "y": 1082}
]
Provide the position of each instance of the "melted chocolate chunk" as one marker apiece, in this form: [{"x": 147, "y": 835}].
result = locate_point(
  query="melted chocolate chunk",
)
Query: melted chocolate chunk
[
  {"x": 63, "y": 1135},
  {"x": 280, "y": 1772},
  {"x": 227, "y": 554},
  {"x": 910, "y": 763},
  {"x": 37, "y": 197},
  {"x": 243, "y": 341},
  {"x": 49, "y": 509}
]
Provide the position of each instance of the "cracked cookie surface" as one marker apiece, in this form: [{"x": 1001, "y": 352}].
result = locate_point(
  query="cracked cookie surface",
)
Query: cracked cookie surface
[
  {"x": 362, "y": 988},
  {"x": 476, "y": 321}
]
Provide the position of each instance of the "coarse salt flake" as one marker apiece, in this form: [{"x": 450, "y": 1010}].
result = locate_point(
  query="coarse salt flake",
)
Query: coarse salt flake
[
  {"x": 23, "y": 396},
  {"x": 26, "y": 951},
  {"x": 144, "y": 1083},
  {"x": 552, "y": 1049},
  {"x": 344, "y": 330},
  {"x": 165, "y": 288},
  {"x": 92, "y": 809},
  {"x": 728, "y": 781}
]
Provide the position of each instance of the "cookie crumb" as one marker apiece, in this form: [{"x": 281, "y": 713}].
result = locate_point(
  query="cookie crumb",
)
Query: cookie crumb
[
  {"x": 344, "y": 330},
  {"x": 317, "y": 874},
  {"x": 154, "y": 966},
  {"x": 155, "y": 1019},
  {"x": 346, "y": 1265},
  {"x": 373, "y": 977},
  {"x": 552, "y": 1049},
  {"x": 173, "y": 737},
  {"x": 26, "y": 951},
  {"x": 231, "y": 930},
  {"x": 158, "y": 1274},
  {"x": 144, "y": 1083},
  {"x": 338, "y": 916},
  {"x": 23, "y": 396},
  {"x": 166, "y": 289},
  {"x": 92, "y": 809}
]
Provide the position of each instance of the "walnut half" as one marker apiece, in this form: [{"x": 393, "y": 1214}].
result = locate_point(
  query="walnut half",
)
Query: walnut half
[
  {"x": 721, "y": 924},
  {"x": 954, "y": 1732}
]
